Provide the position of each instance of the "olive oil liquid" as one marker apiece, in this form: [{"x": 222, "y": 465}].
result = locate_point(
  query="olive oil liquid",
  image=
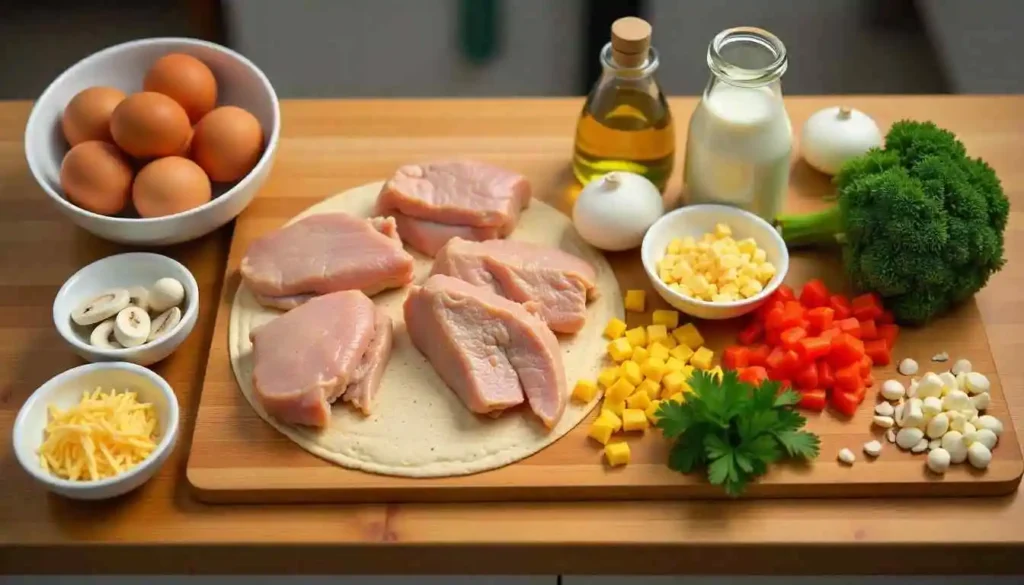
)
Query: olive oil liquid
[{"x": 625, "y": 129}]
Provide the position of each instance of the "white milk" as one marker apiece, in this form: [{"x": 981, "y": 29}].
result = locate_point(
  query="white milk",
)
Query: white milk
[{"x": 738, "y": 149}]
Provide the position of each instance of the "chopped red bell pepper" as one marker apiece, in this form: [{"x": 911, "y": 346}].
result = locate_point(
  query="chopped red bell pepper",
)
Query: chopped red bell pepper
[
  {"x": 848, "y": 378},
  {"x": 812, "y": 348},
  {"x": 850, "y": 325},
  {"x": 830, "y": 333},
  {"x": 865, "y": 365},
  {"x": 790, "y": 337},
  {"x": 784, "y": 293},
  {"x": 825, "y": 378},
  {"x": 806, "y": 378},
  {"x": 889, "y": 333},
  {"x": 773, "y": 320},
  {"x": 841, "y": 306},
  {"x": 869, "y": 381},
  {"x": 752, "y": 333},
  {"x": 792, "y": 315},
  {"x": 885, "y": 318},
  {"x": 757, "y": 355},
  {"x": 846, "y": 349},
  {"x": 791, "y": 361},
  {"x": 820, "y": 318},
  {"x": 847, "y": 402},
  {"x": 868, "y": 330},
  {"x": 775, "y": 358},
  {"x": 878, "y": 351},
  {"x": 735, "y": 357},
  {"x": 867, "y": 306},
  {"x": 753, "y": 375},
  {"x": 812, "y": 400},
  {"x": 814, "y": 294}
]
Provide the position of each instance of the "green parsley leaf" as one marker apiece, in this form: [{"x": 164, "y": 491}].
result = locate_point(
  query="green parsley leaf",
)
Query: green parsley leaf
[{"x": 734, "y": 430}]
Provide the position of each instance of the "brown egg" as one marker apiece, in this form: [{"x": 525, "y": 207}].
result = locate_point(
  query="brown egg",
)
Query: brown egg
[
  {"x": 170, "y": 185},
  {"x": 150, "y": 125},
  {"x": 186, "y": 80},
  {"x": 97, "y": 177},
  {"x": 87, "y": 115},
  {"x": 227, "y": 143}
]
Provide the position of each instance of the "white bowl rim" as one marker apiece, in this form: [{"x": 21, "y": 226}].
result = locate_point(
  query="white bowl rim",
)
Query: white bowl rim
[
  {"x": 166, "y": 439},
  {"x": 773, "y": 284},
  {"x": 212, "y": 204},
  {"x": 124, "y": 352}
]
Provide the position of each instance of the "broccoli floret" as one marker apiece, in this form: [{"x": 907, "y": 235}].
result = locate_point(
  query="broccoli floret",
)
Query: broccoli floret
[{"x": 921, "y": 223}]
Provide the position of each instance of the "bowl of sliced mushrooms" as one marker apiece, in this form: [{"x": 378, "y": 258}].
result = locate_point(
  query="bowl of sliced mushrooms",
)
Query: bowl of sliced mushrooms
[{"x": 137, "y": 307}]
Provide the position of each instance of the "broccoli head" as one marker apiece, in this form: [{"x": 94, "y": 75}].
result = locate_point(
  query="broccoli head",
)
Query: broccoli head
[{"x": 920, "y": 223}]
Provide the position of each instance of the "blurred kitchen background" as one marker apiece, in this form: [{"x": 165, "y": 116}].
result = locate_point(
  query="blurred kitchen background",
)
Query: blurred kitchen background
[{"x": 419, "y": 48}]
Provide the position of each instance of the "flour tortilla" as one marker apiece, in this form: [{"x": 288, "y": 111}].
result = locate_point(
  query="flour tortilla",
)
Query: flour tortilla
[{"x": 419, "y": 427}]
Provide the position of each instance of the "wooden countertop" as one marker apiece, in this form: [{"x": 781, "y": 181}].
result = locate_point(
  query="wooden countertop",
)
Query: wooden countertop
[{"x": 328, "y": 146}]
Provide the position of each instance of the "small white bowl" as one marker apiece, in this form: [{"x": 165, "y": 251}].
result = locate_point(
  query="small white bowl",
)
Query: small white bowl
[
  {"x": 239, "y": 83},
  {"x": 695, "y": 221},
  {"x": 123, "y": 271},
  {"x": 65, "y": 390}
]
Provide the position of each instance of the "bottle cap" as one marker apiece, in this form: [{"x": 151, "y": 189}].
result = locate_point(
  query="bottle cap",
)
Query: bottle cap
[{"x": 631, "y": 39}]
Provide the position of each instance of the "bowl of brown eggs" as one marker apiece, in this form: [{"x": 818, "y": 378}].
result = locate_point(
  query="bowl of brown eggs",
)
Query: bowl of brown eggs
[{"x": 156, "y": 141}]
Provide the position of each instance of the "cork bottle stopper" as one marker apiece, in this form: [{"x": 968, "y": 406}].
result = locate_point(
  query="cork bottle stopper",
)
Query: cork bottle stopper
[{"x": 631, "y": 39}]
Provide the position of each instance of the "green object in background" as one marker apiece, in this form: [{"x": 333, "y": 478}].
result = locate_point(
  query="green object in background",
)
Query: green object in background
[{"x": 478, "y": 29}]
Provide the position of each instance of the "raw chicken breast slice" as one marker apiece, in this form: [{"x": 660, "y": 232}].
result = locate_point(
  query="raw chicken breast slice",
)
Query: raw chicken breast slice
[
  {"x": 326, "y": 253},
  {"x": 489, "y": 350},
  {"x": 550, "y": 281},
  {"x": 307, "y": 357},
  {"x": 363, "y": 389},
  {"x": 458, "y": 192},
  {"x": 428, "y": 237}
]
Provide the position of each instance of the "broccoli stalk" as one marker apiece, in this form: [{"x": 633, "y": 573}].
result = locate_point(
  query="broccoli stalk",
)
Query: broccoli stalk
[{"x": 919, "y": 222}]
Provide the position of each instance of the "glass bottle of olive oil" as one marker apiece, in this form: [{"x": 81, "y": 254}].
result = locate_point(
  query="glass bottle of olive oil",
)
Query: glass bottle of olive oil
[{"x": 626, "y": 124}]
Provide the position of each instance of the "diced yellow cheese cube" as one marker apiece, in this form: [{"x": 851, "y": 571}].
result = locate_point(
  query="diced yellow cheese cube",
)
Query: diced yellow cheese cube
[
  {"x": 722, "y": 230},
  {"x": 631, "y": 372},
  {"x": 765, "y": 272},
  {"x": 615, "y": 328},
  {"x": 681, "y": 271},
  {"x": 673, "y": 382},
  {"x": 611, "y": 418},
  {"x": 669, "y": 342},
  {"x": 668, "y": 261},
  {"x": 635, "y": 300},
  {"x": 584, "y": 391},
  {"x": 613, "y": 406},
  {"x": 654, "y": 369},
  {"x": 678, "y": 397},
  {"x": 717, "y": 372},
  {"x": 681, "y": 352},
  {"x": 666, "y": 276},
  {"x": 687, "y": 372},
  {"x": 652, "y": 411},
  {"x": 751, "y": 288},
  {"x": 637, "y": 336},
  {"x": 730, "y": 262},
  {"x": 689, "y": 336},
  {"x": 747, "y": 245},
  {"x": 656, "y": 333},
  {"x": 657, "y": 350},
  {"x": 730, "y": 289},
  {"x": 608, "y": 376},
  {"x": 620, "y": 390},
  {"x": 617, "y": 454},
  {"x": 601, "y": 431},
  {"x": 640, "y": 399},
  {"x": 668, "y": 318},
  {"x": 723, "y": 298},
  {"x": 689, "y": 244},
  {"x": 674, "y": 365},
  {"x": 675, "y": 246},
  {"x": 702, "y": 358},
  {"x": 640, "y": 355},
  {"x": 652, "y": 388},
  {"x": 758, "y": 256},
  {"x": 620, "y": 349},
  {"x": 634, "y": 419}
]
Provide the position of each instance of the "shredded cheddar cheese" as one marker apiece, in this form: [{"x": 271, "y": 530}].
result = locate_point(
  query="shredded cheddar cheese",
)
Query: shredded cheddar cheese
[{"x": 105, "y": 434}]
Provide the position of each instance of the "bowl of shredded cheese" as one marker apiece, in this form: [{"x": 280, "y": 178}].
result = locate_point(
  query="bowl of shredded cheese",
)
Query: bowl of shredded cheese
[{"x": 97, "y": 431}]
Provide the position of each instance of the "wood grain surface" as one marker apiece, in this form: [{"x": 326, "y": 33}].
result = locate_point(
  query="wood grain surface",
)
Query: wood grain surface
[
  {"x": 237, "y": 457},
  {"x": 329, "y": 146}
]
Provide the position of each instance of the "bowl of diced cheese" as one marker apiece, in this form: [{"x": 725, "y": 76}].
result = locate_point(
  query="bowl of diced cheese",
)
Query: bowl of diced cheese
[
  {"x": 97, "y": 431},
  {"x": 714, "y": 261}
]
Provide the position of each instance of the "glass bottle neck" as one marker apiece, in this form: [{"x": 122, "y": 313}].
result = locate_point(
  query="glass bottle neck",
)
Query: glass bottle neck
[
  {"x": 614, "y": 69},
  {"x": 747, "y": 57}
]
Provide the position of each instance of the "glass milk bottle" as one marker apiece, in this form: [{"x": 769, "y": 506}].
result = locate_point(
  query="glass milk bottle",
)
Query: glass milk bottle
[{"x": 740, "y": 137}]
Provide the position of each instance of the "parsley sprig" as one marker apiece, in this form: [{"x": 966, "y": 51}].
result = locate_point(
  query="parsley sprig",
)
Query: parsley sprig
[{"x": 734, "y": 429}]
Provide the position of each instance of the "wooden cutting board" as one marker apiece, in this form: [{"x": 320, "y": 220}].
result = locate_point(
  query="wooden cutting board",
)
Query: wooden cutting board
[{"x": 237, "y": 457}]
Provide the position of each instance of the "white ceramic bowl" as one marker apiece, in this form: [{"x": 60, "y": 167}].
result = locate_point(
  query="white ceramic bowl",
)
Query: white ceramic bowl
[
  {"x": 695, "y": 221},
  {"x": 65, "y": 390},
  {"x": 123, "y": 271},
  {"x": 123, "y": 66}
]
